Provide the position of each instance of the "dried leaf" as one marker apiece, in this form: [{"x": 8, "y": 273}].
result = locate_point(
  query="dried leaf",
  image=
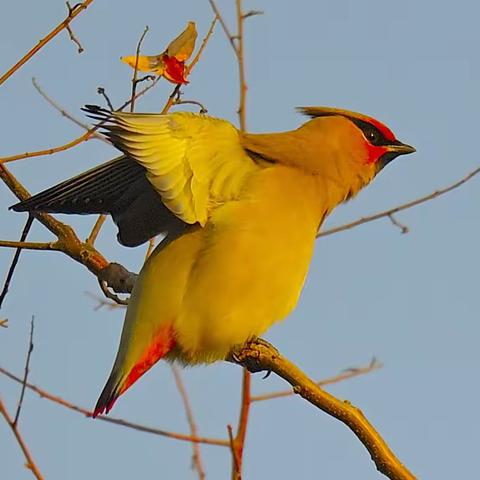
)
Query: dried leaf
[
  {"x": 152, "y": 64},
  {"x": 182, "y": 47},
  {"x": 171, "y": 63}
]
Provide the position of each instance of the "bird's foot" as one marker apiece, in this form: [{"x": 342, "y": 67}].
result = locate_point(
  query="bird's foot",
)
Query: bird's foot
[
  {"x": 249, "y": 355},
  {"x": 118, "y": 278}
]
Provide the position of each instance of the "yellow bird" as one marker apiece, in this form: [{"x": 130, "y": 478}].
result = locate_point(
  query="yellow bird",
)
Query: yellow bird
[{"x": 240, "y": 212}]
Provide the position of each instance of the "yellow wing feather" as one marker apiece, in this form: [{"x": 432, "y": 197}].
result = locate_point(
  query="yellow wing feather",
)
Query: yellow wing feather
[{"x": 194, "y": 161}]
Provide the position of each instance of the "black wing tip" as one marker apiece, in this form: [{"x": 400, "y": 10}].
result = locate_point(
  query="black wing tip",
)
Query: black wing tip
[
  {"x": 20, "y": 207},
  {"x": 97, "y": 113}
]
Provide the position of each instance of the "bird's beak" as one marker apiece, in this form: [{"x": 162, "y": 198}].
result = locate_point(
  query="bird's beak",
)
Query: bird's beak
[
  {"x": 400, "y": 148},
  {"x": 393, "y": 151}
]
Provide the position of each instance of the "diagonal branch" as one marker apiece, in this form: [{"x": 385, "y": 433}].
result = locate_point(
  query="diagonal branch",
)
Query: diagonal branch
[
  {"x": 399, "y": 208},
  {"x": 73, "y": 12},
  {"x": 117, "y": 421},
  {"x": 25, "y": 374},
  {"x": 345, "y": 375},
  {"x": 30, "y": 463},
  {"x": 259, "y": 355}
]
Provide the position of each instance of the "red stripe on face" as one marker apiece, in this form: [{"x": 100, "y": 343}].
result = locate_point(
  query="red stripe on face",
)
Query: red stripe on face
[{"x": 374, "y": 152}]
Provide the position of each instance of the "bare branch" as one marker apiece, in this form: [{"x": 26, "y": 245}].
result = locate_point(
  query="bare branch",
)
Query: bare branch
[
  {"x": 116, "y": 421},
  {"x": 15, "y": 259},
  {"x": 30, "y": 463},
  {"x": 252, "y": 13},
  {"x": 403, "y": 228},
  {"x": 228, "y": 34},
  {"x": 345, "y": 375},
  {"x": 197, "y": 456},
  {"x": 82, "y": 138},
  {"x": 73, "y": 38},
  {"x": 30, "y": 245},
  {"x": 203, "y": 109},
  {"x": 236, "y": 472},
  {"x": 64, "y": 113},
  {"x": 195, "y": 60},
  {"x": 61, "y": 26},
  {"x": 135, "y": 70},
  {"x": 92, "y": 237},
  {"x": 259, "y": 355},
  {"x": 399, "y": 208},
  {"x": 25, "y": 374}
]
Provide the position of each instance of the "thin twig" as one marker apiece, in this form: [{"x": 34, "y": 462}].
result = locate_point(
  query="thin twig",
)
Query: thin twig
[
  {"x": 82, "y": 138},
  {"x": 61, "y": 26},
  {"x": 241, "y": 66},
  {"x": 73, "y": 38},
  {"x": 102, "y": 302},
  {"x": 25, "y": 374},
  {"x": 236, "y": 472},
  {"x": 203, "y": 109},
  {"x": 92, "y": 237},
  {"x": 15, "y": 259},
  {"x": 345, "y": 375},
  {"x": 30, "y": 463},
  {"x": 403, "y": 228},
  {"x": 30, "y": 245},
  {"x": 135, "y": 70},
  {"x": 228, "y": 34},
  {"x": 195, "y": 60},
  {"x": 101, "y": 91},
  {"x": 399, "y": 208},
  {"x": 261, "y": 356},
  {"x": 66, "y": 114},
  {"x": 197, "y": 456},
  {"x": 151, "y": 246},
  {"x": 117, "y": 421}
]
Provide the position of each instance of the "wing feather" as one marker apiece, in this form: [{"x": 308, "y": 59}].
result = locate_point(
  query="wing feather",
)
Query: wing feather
[{"x": 193, "y": 161}]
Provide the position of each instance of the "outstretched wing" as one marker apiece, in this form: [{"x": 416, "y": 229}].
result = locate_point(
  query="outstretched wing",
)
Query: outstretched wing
[
  {"x": 119, "y": 188},
  {"x": 193, "y": 161}
]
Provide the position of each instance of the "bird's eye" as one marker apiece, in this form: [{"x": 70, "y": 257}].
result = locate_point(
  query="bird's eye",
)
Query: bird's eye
[
  {"x": 373, "y": 136},
  {"x": 371, "y": 132}
]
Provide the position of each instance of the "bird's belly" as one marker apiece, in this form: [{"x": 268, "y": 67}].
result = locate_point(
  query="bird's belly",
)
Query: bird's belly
[{"x": 248, "y": 276}]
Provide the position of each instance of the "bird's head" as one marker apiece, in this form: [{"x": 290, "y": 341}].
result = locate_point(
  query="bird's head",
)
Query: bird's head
[{"x": 358, "y": 144}]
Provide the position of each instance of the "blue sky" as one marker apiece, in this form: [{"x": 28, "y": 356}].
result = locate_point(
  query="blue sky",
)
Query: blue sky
[{"x": 411, "y": 300}]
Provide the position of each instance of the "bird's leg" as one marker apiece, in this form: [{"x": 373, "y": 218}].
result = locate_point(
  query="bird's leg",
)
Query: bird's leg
[{"x": 249, "y": 354}]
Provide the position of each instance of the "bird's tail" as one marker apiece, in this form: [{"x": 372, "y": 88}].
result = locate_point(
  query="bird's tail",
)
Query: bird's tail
[{"x": 122, "y": 378}]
